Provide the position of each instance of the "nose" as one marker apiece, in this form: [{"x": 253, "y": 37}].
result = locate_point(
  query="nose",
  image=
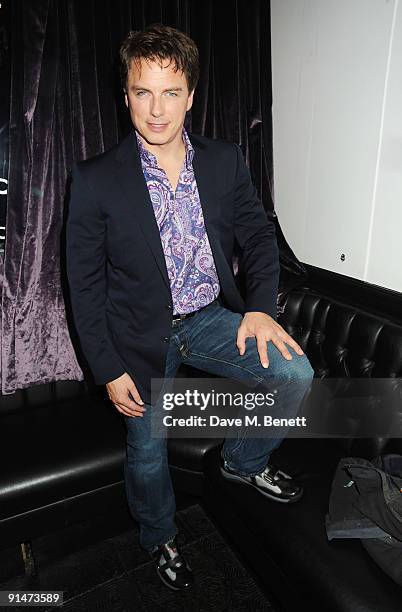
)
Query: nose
[{"x": 156, "y": 106}]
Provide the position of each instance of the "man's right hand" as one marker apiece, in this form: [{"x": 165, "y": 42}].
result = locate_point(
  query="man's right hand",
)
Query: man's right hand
[{"x": 119, "y": 391}]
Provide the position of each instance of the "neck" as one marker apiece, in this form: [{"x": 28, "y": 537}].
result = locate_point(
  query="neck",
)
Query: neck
[{"x": 169, "y": 151}]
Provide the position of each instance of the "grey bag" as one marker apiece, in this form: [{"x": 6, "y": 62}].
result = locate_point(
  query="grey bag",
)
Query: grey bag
[{"x": 366, "y": 503}]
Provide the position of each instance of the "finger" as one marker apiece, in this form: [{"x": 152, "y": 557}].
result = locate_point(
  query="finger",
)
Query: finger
[
  {"x": 262, "y": 351},
  {"x": 127, "y": 401},
  {"x": 131, "y": 405},
  {"x": 294, "y": 345},
  {"x": 241, "y": 341},
  {"x": 282, "y": 348},
  {"x": 283, "y": 335},
  {"x": 128, "y": 412},
  {"x": 134, "y": 392}
]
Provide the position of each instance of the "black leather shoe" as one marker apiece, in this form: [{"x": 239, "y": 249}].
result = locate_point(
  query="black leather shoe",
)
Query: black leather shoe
[
  {"x": 171, "y": 566},
  {"x": 272, "y": 482}
]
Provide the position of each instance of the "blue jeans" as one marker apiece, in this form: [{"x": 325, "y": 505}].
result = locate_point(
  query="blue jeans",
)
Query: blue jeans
[{"x": 206, "y": 341}]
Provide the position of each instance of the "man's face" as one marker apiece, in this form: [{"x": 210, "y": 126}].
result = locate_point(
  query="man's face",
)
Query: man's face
[{"x": 157, "y": 99}]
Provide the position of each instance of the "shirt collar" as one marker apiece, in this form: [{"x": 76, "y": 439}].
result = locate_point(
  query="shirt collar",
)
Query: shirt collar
[{"x": 149, "y": 159}]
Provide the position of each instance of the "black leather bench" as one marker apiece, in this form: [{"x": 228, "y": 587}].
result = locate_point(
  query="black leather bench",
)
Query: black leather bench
[
  {"x": 287, "y": 546},
  {"x": 62, "y": 448}
]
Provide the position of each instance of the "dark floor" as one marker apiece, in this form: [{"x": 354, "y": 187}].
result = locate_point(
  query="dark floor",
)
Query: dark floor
[{"x": 100, "y": 567}]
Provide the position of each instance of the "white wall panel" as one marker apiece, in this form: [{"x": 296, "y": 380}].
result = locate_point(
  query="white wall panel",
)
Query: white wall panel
[{"x": 337, "y": 124}]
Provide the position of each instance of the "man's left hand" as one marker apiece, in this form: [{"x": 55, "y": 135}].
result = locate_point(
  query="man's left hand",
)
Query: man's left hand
[{"x": 263, "y": 327}]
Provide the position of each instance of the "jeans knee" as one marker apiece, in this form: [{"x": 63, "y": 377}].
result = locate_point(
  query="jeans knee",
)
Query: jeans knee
[
  {"x": 305, "y": 370},
  {"x": 150, "y": 451},
  {"x": 299, "y": 368},
  {"x": 296, "y": 373}
]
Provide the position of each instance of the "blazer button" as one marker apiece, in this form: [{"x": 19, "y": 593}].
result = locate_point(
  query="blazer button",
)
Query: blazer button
[
  {"x": 165, "y": 339},
  {"x": 169, "y": 307}
]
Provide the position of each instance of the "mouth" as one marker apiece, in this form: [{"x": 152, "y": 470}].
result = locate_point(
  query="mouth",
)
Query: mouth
[{"x": 157, "y": 127}]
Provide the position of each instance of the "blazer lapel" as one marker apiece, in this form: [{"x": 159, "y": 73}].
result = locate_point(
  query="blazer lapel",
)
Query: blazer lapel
[
  {"x": 206, "y": 176},
  {"x": 132, "y": 182}
]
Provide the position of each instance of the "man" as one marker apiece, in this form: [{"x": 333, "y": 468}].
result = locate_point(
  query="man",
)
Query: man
[{"x": 150, "y": 237}]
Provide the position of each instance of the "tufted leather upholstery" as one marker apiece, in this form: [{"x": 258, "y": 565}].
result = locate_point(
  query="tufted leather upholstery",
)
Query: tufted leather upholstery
[
  {"x": 287, "y": 545},
  {"x": 341, "y": 340},
  {"x": 62, "y": 449}
]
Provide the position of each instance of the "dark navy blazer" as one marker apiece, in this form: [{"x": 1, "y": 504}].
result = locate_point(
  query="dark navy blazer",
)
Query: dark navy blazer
[{"x": 119, "y": 286}]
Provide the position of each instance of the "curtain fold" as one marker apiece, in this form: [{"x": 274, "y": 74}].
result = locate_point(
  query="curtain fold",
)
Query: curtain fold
[{"x": 66, "y": 104}]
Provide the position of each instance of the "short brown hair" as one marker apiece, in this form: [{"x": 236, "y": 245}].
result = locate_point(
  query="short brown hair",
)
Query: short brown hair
[{"x": 157, "y": 43}]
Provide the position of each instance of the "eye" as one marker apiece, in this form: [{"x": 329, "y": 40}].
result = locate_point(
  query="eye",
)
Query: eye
[
  {"x": 172, "y": 93},
  {"x": 139, "y": 93}
]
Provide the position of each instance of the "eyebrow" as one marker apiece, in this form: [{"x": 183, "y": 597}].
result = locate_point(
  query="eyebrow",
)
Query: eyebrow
[{"x": 135, "y": 87}]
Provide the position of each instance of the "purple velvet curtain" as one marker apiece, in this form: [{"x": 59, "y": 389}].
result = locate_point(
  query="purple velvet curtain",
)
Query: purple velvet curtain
[{"x": 66, "y": 105}]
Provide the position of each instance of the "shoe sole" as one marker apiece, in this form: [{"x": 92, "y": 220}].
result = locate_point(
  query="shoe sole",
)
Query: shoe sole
[
  {"x": 169, "y": 585},
  {"x": 228, "y": 476}
]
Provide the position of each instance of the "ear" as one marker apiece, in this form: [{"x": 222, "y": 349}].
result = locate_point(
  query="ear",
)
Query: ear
[{"x": 190, "y": 100}]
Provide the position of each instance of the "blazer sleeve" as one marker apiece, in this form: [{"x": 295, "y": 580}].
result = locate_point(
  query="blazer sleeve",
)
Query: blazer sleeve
[
  {"x": 256, "y": 236},
  {"x": 86, "y": 257}
]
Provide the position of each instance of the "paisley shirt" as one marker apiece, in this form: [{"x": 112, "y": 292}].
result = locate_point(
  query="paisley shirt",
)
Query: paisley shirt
[{"x": 190, "y": 265}]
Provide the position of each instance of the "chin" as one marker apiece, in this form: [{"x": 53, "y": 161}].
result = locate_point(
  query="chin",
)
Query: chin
[{"x": 154, "y": 137}]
